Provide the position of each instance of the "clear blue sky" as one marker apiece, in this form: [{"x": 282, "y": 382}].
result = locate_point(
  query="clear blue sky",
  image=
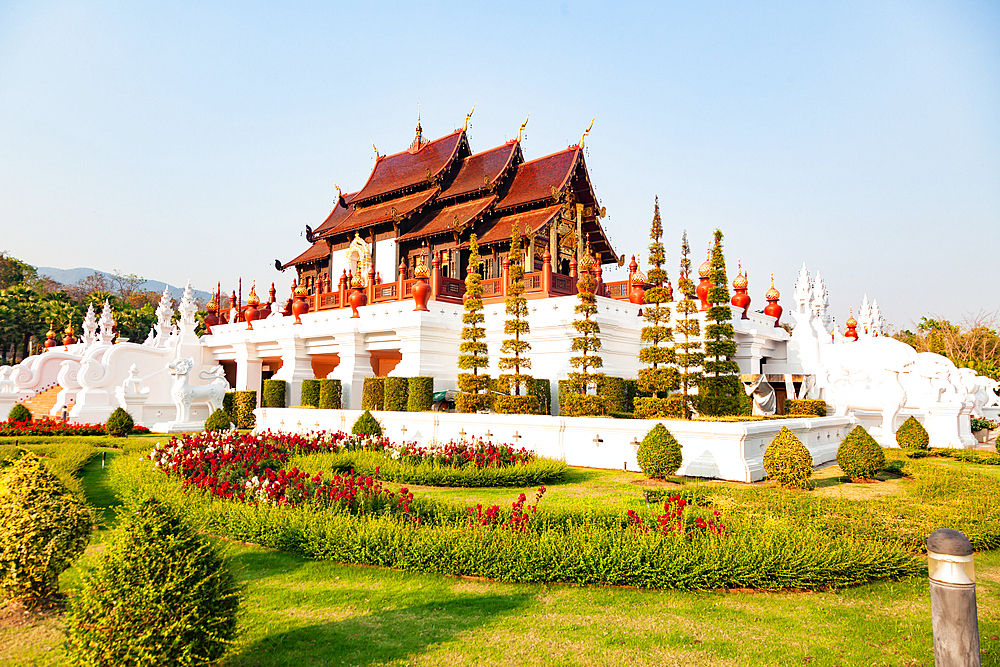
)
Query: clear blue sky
[{"x": 196, "y": 140}]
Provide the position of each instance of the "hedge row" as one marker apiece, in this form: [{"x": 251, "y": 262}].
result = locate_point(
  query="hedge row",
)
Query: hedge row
[
  {"x": 756, "y": 555},
  {"x": 274, "y": 393},
  {"x": 415, "y": 394},
  {"x": 811, "y": 407}
]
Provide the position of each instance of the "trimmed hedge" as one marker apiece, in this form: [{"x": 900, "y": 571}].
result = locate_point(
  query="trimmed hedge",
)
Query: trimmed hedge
[
  {"x": 811, "y": 407},
  {"x": 310, "y": 393},
  {"x": 119, "y": 424},
  {"x": 650, "y": 407},
  {"x": 584, "y": 405},
  {"x": 757, "y": 553},
  {"x": 330, "y": 392},
  {"x": 470, "y": 403},
  {"x": 912, "y": 435},
  {"x": 396, "y": 391},
  {"x": 218, "y": 421},
  {"x": 788, "y": 461},
  {"x": 373, "y": 394},
  {"x": 366, "y": 424},
  {"x": 659, "y": 455},
  {"x": 859, "y": 455},
  {"x": 543, "y": 390},
  {"x": 515, "y": 405},
  {"x": 244, "y": 403},
  {"x": 420, "y": 394},
  {"x": 274, "y": 393},
  {"x": 229, "y": 405},
  {"x": 19, "y": 414},
  {"x": 615, "y": 392}
]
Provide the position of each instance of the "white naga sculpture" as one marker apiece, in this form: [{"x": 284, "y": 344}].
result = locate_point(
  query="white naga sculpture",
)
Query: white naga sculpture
[{"x": 184, "y": 394}]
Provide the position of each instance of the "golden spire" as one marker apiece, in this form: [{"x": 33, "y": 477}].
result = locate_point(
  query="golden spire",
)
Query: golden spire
[
  {"x": 521, "y": 129},
  {"x": 587, "y": 131},
  {"x": 339, "y": 194},
  {"x": 467, "y": 117},
  {"x": 376, "y": 150}
]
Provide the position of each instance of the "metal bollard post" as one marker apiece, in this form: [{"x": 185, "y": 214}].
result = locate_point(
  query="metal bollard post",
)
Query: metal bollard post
[{"x": 954, "y": 618}]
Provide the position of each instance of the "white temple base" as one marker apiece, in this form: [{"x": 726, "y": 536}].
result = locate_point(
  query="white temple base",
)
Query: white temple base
[{"x": 177, "y": 427}]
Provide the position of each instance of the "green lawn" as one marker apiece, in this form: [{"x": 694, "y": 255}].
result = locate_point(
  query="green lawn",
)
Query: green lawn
[{"x": 300, "y": 612}]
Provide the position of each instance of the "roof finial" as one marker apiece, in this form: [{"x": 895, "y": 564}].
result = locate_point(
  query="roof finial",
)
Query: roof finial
[
  {"x": 521, "y": 129},
  {"x": 375, "y": 149},
  {"x": 340, "y": 195},
  {"x": 587, "y": 131},
  {"x": 467, "y": 117}
]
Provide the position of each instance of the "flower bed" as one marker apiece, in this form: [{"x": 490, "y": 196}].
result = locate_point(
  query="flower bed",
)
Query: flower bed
[
  {"x": 50, "y": 427},
  {"x": 460, "y": 453}
]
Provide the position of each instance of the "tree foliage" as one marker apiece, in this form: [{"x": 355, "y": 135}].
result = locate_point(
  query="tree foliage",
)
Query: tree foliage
[
  {"x": 474, "y": 353},
  {"x": 687, "y": 349},
  {"x": 720, "y": 387},
  {"x": 515, "y": 348},
  {"x": 659, "y": 378}
]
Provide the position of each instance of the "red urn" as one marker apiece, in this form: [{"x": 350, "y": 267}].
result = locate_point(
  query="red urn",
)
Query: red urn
[
  {"x": 50, "y": 339},
  {"x": 68, "y": 339},
  {"x": 741, "y": 299},
  {"x": 358, "y": 297},
  {"x": 772, "y": 308},
  {"x": 637, "y": 294},
  {"x": 212, "y": 316},
  {"x": 250, "y": 312},
  {"x": 420, "y": 290},
  {"x": 705, "y": 285},
  {"x": 300, "y": 306}
]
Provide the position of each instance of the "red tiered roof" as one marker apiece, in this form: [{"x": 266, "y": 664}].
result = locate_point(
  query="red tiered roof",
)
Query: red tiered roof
[
  {"x": 533, "y": 181},
  {"x": 317, "y": 250},
  {"x": 340, "y": 211},
  {"x": 401, "y": 207},
  {"x": 449, "y": 219},
  {"x": 533, "y": 220},
  {"x": 482, "y": 171},
  {"x": 406, "y": 169}
]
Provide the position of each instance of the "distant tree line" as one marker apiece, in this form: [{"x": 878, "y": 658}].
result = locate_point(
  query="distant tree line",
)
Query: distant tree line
[{"x": 973, "y": 343}]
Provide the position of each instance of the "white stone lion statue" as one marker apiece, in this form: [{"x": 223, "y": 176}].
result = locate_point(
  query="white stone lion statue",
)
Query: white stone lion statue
[{"x": 184, "y": 394}]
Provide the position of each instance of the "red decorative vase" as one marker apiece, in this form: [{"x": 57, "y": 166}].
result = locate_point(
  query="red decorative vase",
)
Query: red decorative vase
[
  {"x": 637, "y": 295},
  {"x": 250, "y": 314},
  {"x": 772, "y": 308},
  {"x": 702, "y": 291},
  {"x": 357, "y": 299},
  {"x": 420, "y": 292},
  {"x": 741, "y": 300},
  {"x": 299, "y": 308}
]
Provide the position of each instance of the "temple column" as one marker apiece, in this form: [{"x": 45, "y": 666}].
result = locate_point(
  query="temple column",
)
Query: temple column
[
  {"x": 554, "y": 244},
  {"x": 248, "y": 369},
  {"x": 355, "y": 365},
  {"x": 529, "y": 264},
  {"x": 579, "y": 233},
  {"x": 296, "y": 366}
]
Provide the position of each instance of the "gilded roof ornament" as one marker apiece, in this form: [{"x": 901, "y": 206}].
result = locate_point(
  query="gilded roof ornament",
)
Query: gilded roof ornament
[
  {"x": 465, "y": 127},
  {"x": 520, "y": 130},
  {"x": 586, "y": 132}
]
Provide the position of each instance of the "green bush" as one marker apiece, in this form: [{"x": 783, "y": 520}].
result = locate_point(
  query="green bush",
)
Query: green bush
[
  {"x": 19, "y": 414},
  {"x": 859, "y": 455},
  {"x": 650, "y": 407},
  {"x": 160, "y": 595},
  {"x": 43, "y": 529},
  {"x": 515, "y": 405},
  {"x": 420, "y": 394},
  {"x": 543, "y": 390},
  {"x": 912, "y": 435},
  {"x": 218, "y": 421},
  {"x": 244, "y": 403},
  {"x": 329, "y": 394},
  {"x": 720, "y": 406},
  {"x": 119, "y": 424},
  {"x": 469, "y": 403},
  {"x": 274, "y": 393},
  {"x": 373, "y": 394},
  {"x": 584, "y": 405},
  {"x": 659, "y": 455},
  {"x": 366, "y": 424},
  {"x": 229, "y": 405},
  {"x": 396, "y": 390},
  {"x": 614, "y": 390},
  {"x": 535, "y": 472},
  {"x": 810, "y": 407},
  {"x": 310, "y": 393},
  {"x": 788, "y": 461}
]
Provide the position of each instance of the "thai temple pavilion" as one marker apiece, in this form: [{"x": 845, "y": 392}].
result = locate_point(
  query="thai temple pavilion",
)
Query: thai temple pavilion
[{"x": 420, "y": 206}]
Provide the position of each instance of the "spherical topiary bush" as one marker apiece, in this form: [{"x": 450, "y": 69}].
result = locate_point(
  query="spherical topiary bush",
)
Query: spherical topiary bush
[
  {"x": 788, "y": 461},
  {"x": 860, "y": 456},
  {"x": 43, "y": 529},
  {"x": 218, "y": 421},
  {"x": 912, "y": 435},
  {"x": 366, "y": 425},
  {"x": 19, "y": 414},
  {"x": 160, "y": 595},
  {"x": 659, "y": 455},
  {"x": 119, "y": 424}
]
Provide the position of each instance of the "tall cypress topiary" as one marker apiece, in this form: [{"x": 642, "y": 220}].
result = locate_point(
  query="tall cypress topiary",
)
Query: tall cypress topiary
[
  {"x": 587, "y": 344},
  {"x": 659, "y": 378},
  {"x": 474, "y": 351},
  {"x": 720, "y": 386},
  {"x": 688, "y": 349},
  {"x": 516, "y": 387}
]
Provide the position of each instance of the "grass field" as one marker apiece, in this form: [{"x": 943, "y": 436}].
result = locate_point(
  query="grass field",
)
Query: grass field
[{"x": 301, "y": 612}]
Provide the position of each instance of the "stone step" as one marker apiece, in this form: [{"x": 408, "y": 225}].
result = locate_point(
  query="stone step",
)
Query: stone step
[{"x": 41, "y": 404}]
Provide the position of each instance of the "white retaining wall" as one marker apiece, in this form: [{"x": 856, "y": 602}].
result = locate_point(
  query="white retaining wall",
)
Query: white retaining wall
[{"x": 725, "y": 450}]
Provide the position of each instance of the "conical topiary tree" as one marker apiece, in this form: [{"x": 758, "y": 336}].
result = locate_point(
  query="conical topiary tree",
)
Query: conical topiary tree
[
  {"x": 720, "y": 387},
  {"x": 516, "y": 395},
  {"x": 859, "y": 455},
  {"x": 474, "y": 351},
  {"x": 688, "y": 352},
  {"x": 160, "y": 595},
  {"x": 787, "y": 460},
  {"x": 659, "y": 378},
  {"x": 43, "y": 529},
  {"x": 659, "y": 455},
  {"x": 587, "y": 343},
  {"x": 912, "y": 435}
]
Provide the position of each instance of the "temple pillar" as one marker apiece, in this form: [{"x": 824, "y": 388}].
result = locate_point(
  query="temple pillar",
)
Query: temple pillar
[
  {"x": 435, "y": 275},
  {"x": 248, "y": 369},
  {"x": 554, "y": 245},
  {"x": 296, "y": 366},
  {"x": 529, "y": 263},
  {"x": 355, "y": 365},
  {"x": 579, "y": 233}
]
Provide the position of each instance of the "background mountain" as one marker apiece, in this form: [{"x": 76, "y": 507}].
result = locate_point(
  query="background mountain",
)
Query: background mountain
[{"x": 70, "y": 276}]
